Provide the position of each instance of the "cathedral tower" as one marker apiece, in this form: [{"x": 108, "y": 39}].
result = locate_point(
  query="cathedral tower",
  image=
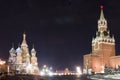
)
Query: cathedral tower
[
  {"x": 25, "y": 50},
  {"x": 12, "y": 57},
  {"x": 34, "y": 61}
]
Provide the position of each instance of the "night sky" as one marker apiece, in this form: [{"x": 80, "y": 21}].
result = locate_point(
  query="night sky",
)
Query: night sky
[{"x": 61, "y": 30}]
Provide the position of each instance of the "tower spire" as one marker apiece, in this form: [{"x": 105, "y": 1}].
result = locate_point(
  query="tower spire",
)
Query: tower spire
[
  {"x": 12, "y": 45},
  {"x": 102, "y": 22},
  {"x": 102, "y": 14},
  {"x": 24, "y": 43},
  {"x": 33, "y": 45},
  {"x": 24, "y": 36},
  {"x": 18, "y": 44}
]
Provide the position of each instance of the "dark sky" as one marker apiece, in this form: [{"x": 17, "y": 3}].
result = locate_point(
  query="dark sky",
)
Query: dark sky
[{"x": 61, "y": 30}]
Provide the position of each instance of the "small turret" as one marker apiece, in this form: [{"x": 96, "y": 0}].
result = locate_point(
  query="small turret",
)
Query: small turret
[
  {"x": 12, "y": 57},
  {"x": 12, "y": 50},
  {"x": 18, "y": 50},
  {"x": 33, "y": 51},
  {"x": 113, "y": 38}
]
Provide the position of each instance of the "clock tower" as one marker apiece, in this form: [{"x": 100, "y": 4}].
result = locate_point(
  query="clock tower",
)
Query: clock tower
[
  {"x": 103, "y": 44},
  {"x": 103, "y": 47}
]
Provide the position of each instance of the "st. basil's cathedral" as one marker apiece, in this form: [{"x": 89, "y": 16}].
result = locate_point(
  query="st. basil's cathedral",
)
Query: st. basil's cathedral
[{"x": 22, "y": 61}]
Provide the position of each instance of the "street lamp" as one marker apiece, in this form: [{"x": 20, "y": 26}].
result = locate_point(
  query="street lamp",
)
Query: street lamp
[
  {"x": 78, "y": 69},
  {"x": 1, "y": 64}
]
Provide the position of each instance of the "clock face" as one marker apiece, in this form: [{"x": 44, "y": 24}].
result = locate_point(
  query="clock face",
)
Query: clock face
[{"x": 105, "y": 33}]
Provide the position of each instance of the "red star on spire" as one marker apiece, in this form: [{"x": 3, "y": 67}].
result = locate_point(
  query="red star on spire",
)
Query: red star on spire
[{"x": 101, "y": 6}]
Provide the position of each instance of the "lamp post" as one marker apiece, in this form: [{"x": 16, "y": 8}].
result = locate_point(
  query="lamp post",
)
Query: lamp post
[
  {"x": 78, "y": 70},
  {"x": 1, "y": 64}
]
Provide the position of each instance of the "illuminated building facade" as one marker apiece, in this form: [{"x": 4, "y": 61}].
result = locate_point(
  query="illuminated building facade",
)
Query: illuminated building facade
[
  {"x": 22, "y": 61},
  {"x": 65, "y": 72},
  {"x": 103, "y": 50}
]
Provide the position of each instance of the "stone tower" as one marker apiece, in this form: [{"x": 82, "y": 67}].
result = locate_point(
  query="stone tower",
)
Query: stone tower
[
  {"x": 103, "y": 47},
  {"x": 103, "y": 44}
]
